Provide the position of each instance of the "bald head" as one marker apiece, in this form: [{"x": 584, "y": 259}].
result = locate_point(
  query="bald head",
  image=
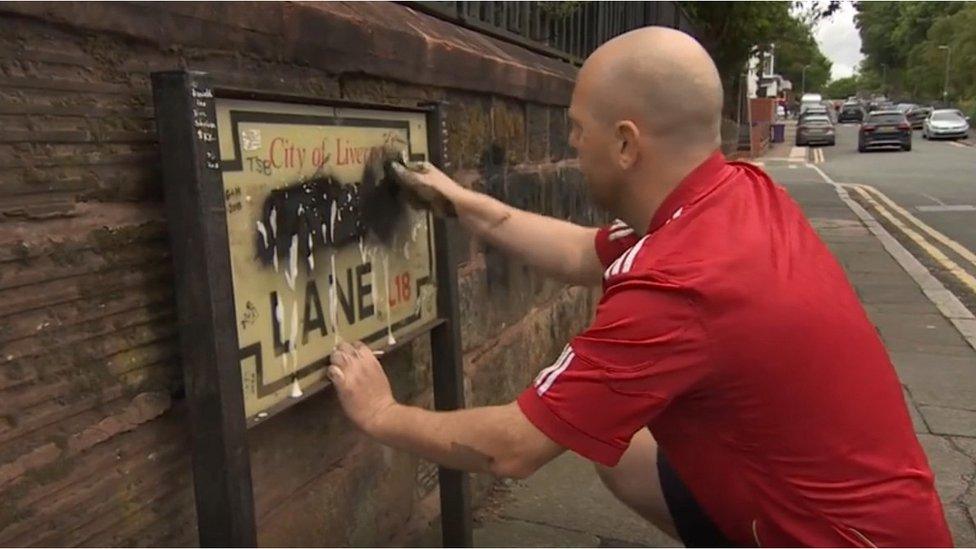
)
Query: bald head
[{"x": 661, "y": 79}]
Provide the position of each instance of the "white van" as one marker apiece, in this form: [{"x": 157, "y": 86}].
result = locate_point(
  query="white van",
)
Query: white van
[{"x": 811, "y": 98}]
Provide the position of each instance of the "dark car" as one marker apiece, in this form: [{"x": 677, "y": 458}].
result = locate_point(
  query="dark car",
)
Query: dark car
[
  {"x": 916, "y": 116},
  {"x": 885, "y": 129},
  {"x": 815, "y": 129},
  {"x": 850, "y": 112}
]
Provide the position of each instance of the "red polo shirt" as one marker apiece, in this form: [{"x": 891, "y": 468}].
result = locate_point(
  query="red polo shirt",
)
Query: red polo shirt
[{"x": 732, "y": 332}]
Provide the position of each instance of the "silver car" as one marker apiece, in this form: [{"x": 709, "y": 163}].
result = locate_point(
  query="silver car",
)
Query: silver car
[
  {"x": 814, "y": 129},
  {"x": 945, "y": 124}
]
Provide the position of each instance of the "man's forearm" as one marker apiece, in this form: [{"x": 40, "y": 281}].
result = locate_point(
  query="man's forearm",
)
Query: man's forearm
[
  {"x": 476, "y": 440},
  {"x": 560, "y": 248}
]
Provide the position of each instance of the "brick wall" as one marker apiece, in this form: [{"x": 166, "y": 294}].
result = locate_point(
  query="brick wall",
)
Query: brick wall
[{"x": 93, "y": 434}]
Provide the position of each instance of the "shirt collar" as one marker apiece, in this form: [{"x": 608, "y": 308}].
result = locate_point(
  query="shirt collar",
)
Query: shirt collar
[{"x": 696, "y": 184}]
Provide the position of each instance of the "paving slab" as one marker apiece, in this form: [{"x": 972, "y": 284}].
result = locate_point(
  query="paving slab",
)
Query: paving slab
[
  {"x": 919, "y": 307},
  {"x": 918, "y": 422},
  {"x": 966, "y": 445},
  {"x": 518, "y": 533},
  {"x": 567, "y": 493},
  {"x": 926, "y": 329},
  {"x": 886, "y": 274},
  {"x": 907, "y": 346},
  {"x": 862, "y": 249},
  {"x": 961, "y": 526},
  {"x": 938, "y": 380},
  {"x": 949, "y": 421},
  {"x": 952, "y": 468},
  {"x": 888, "y": 294}
]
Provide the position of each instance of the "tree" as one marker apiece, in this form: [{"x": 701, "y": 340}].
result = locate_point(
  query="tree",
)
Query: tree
[
  {"x": 927, "y": 61},
  {"x": 907, "y": 39},
  {"x": 842, "y": 88},
  {"x": 734, "y": 31},
  {"x": 796, "y": 48},
  {"x": 891, "y": 32}
]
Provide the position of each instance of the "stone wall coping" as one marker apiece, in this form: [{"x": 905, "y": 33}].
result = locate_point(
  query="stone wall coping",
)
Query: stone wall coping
[{"x": 381, "y": 39}]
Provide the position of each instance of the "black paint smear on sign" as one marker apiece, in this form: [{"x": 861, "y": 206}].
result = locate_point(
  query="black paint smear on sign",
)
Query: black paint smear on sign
[{"x": 376, "y": 207}]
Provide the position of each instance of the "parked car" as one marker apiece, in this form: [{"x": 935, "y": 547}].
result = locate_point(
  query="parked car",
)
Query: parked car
[
  {"x": 887, "y": 128},
  {"x": 815, "y": 129},
  {"x": 946, "y": 124},
  {"x": 850, "y": 112},
  {"x": 916, "y": 116}
]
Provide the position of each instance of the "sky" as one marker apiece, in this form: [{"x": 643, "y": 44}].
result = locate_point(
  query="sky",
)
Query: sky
[{"x": 839, "y": 41}]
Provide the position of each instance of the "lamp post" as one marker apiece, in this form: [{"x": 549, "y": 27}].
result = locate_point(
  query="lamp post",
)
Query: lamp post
[
  {"x": 803, "y": 80},
  {"x": 884, "y": 80},
  {"x": 945, "y": 84}
]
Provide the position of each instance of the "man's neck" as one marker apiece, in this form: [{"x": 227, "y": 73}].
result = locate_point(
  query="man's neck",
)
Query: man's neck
[{"x": 648, "y": 188}]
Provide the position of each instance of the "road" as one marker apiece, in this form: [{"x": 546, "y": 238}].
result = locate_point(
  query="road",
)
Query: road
[{"x": 933, "y": 175}]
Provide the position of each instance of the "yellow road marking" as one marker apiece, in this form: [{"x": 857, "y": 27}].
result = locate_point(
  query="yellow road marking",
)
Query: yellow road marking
[
  {"x": 967, "y": 279},
  {"x": 945, "y": 240}
]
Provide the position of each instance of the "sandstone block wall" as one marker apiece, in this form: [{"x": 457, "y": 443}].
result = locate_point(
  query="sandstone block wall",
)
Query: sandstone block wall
[{"x": 93, "y": 433}]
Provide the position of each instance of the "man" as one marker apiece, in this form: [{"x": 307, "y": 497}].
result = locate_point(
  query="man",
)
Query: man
[{"x": 731, "y": 388}]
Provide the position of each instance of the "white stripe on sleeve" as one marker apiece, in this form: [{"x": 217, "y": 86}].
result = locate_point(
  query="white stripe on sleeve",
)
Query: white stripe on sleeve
[
  {"x": 633, "y": 255},
  {"x": 619, "y": 233},
  {"x": 545, "y": 371},
  {"x": 541, "y": 390}
]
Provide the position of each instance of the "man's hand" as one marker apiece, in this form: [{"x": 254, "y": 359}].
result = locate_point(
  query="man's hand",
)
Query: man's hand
[
  {"x": 430, "y": 185},
  {"x": 362, "y": 385}
]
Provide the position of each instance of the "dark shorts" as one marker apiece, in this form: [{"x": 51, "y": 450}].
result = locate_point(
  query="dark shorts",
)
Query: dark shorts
[{"x": 694, "y": 527}]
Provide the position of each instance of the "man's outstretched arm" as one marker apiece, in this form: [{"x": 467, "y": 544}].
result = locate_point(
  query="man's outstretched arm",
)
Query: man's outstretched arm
[
  {"x": 559, "y": 248},
  {"x": 498, "y": 440}
]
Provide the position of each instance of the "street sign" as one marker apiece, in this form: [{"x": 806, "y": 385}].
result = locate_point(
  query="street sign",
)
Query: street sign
[
  {"x": 321, "y": 249},
  {"x": 289, "y": 237}
]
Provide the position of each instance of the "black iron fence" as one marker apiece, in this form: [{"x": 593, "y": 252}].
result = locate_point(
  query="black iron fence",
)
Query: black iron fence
[{"x": 565, "y": 30}]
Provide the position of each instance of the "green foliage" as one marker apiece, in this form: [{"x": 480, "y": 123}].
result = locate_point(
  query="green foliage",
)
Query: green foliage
[
  {"x": 796, "y": 48},
  {"x": 902, "y": 39},
  {"x": 734, "y": 31},
  {"x": 842, "y": 88}
]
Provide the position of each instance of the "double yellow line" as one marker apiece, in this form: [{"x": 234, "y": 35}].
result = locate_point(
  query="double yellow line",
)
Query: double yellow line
[
  {"x": 885, "y": 206},
  {"x": 818, "y": 156}
]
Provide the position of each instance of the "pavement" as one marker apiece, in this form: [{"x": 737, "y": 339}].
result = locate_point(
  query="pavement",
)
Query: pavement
[{"x": 929, "y": 332}]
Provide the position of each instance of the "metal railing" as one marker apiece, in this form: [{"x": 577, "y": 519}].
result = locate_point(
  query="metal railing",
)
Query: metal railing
[{"x": 565, "y": 30}]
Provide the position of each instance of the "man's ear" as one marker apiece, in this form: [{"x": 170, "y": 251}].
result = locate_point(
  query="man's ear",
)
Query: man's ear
[{"x": 628, "y": 139}]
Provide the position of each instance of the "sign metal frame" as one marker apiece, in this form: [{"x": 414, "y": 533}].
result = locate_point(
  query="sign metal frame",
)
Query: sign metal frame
[{"x": 196, "y": 211}]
